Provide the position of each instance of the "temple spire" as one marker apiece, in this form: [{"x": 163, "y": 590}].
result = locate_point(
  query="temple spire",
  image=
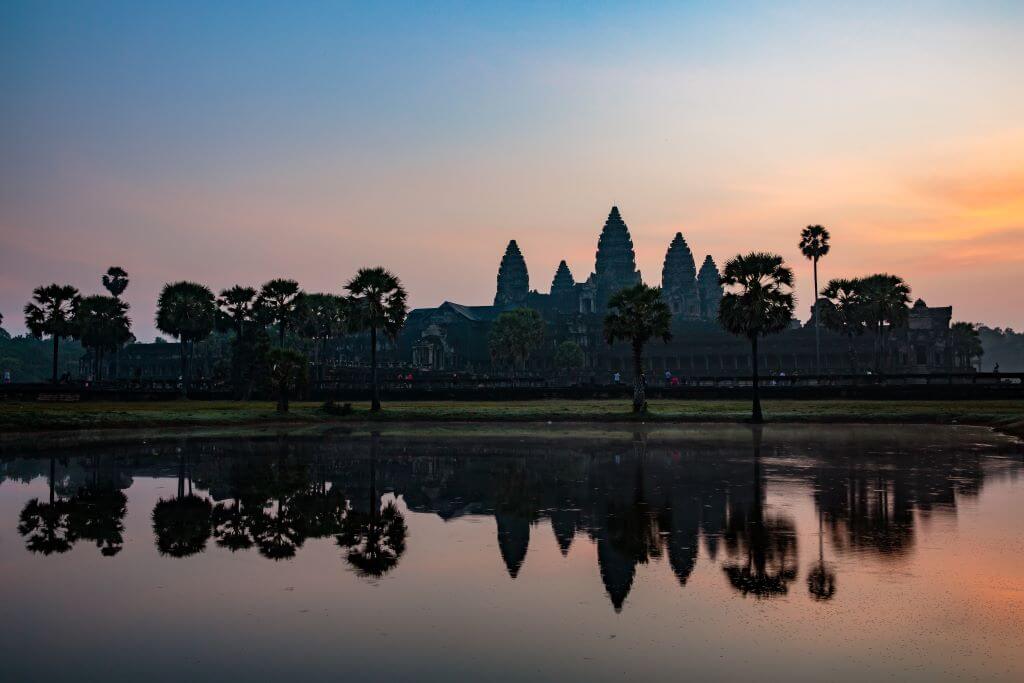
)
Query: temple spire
[
  {"x": 679, "y": 279},
  {"x": 615, "y": 262},
  {"x": 513, "y": 278}
]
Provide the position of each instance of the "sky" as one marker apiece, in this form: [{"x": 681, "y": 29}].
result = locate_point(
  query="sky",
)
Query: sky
[{"x": 236, "y": 142}]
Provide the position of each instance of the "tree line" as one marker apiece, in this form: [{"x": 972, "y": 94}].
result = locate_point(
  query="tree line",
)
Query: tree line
[
  {"x": 758, "y": 301},
  {"x": 374, "y": 303}
]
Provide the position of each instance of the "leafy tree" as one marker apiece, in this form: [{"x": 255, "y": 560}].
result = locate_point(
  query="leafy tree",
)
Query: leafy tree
[
  {"x": 186, "y": 310},
  {"x": 638, "y": 314},
  {"x": 322, "y": 317},
  {"x": 966, "y": 344},
  {"x": 886, "y": 300},
  {"x": 843, "y": 312},
  {"x": 115, "y": 281},
  {"x": 569, "y": 356},
  {"x": 814, "y": 245},
  {"x": 760, "y": 304},
  {"x": 287, "y": 373},
  {"x": 102, "y": 324},
  {"x": 514, "y": 336},
  {"x": 377, "y": 302},
  {"x": 52, "y": 312},
  {"x": 276, "y": 304}
]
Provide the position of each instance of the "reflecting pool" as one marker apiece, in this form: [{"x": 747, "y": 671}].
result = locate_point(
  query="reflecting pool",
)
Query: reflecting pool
[{"x": 706, "y": 552}]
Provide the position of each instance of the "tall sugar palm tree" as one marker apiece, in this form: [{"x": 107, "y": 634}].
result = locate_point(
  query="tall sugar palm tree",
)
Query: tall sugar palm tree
[
  {"x": 115, "y": 280},
  {"x": 277, "y": 304},
  {"x": 52, "y": 312},
  {"x": 186, "y": 310},
  {"x": 236, "y": 309},
  {"x": 638, "y": 314},
  {"x": 236, "y": 312},
  {"x": 102, "y": 325},
  {"x": 886, "y": 300},
  {"x": 843, "y": 312},
  {"x": 377, "y": 303},
  {"x": 760, "y": 303},
  {"x": 814, "y": 245}
]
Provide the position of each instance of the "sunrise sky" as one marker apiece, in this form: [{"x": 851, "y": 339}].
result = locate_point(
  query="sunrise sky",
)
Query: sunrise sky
[{"x": 235, "y": 142}]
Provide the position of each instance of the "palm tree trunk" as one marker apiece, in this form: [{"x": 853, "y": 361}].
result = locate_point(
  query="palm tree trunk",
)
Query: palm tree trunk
[
  {"x": 374, "y": 389},
  {"x": 756, "y": 415},
  {"x": 184, "y": 369},
  {"x": 852, "y": 352},
  {"x": 817, "y": 323},
  {"x": 639, "y": 392},
  {"x": 282, "y": 399},
  {"x": 56, "y": 344}
]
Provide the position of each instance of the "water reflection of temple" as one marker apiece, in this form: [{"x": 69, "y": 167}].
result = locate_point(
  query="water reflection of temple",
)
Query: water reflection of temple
[{"x": 636, "y": 499}]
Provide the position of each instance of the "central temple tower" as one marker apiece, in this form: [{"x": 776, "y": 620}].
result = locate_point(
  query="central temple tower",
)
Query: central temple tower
[{"x": 615, "y": 266}]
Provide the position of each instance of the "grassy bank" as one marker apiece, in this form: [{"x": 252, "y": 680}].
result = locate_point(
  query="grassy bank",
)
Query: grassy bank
[{"x": 1006, "y": 415}]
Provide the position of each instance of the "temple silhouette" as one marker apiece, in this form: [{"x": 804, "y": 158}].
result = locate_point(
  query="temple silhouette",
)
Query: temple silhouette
[{"x": 453, "y": 336}]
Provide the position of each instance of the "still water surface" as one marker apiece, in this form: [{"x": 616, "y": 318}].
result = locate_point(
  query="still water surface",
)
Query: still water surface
[{"x": 713, "y": 552}]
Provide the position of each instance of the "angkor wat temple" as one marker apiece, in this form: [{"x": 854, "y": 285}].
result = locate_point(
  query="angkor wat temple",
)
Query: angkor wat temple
[{"x": 453, "y": 336}]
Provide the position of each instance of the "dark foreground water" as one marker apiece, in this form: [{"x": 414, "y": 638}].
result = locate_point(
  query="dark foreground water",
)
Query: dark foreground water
[{"x": 800, "y": 553}]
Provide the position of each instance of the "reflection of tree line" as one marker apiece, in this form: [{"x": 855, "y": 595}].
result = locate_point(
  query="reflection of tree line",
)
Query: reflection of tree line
[
  {"x": 636, "y": 503},
  {"x": 94, "y": 512}
]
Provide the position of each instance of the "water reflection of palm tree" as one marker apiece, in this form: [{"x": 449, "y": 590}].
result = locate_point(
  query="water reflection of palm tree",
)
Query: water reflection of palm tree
[
  {"x": 182, "y": 524},
  {"x": 97, "y": 512},
  {"x": 763, "y": 549},
  {"x": 375, "y": 539},
  {"x": 821, "y": 580},
  {"x": 278, "y": 536},
  {"x": 231, "y": 526},
  {"x": 47, "y": 526}
]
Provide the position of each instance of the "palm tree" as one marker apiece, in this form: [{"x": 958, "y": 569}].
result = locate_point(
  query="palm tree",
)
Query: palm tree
[
  {"x": 886, "y": 299},
  {"x": 760, "y": 305},
  {"x": 844, "y": 311},
  {"x": 236, "y": 309},
  {"x": 966, "y": 344},
  {"x": 102, "y": 324},
  {"x": 377, "y": 303},
  {"x": 186, "y": 310},
  {"x": 52, "y": 312},
  {"x": 115, "y": 280},
  {"x": 514, "y": 336},
  {"x": 287, "y": 372},
  {"x": 814, "y": 245},
  {"x": 237, "y": 313},
  {"x": 637, "y": 314},
  {"x": 276, "y": 303}
]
